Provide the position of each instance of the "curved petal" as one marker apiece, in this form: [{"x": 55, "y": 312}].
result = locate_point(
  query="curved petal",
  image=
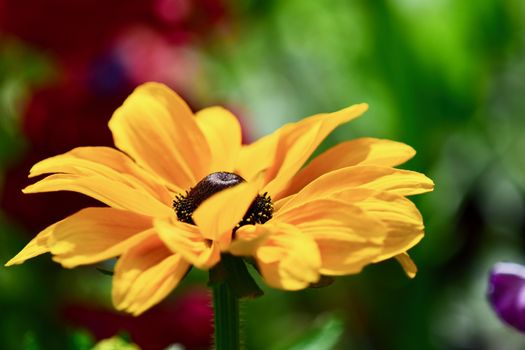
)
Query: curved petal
[
  {"x": 380, "y": 179},
  {"x": 506, "y": 292},
  {"x": 348, "y": 238},
  {"x": 248, "y": 239},
  {"x": 299, "y": 140},
  {"x": 37, "y": 246},
  {"x": 291, "y": 153},
  {"x": 363, "y": 151},
  {"x": 287, "y": 258},
  {"x": 400, "y": 216},
  {"x": 334, "y": 217},
  {"x": 408, "y": 264},
  {"x": 223, "y": 133},
  {"x": 257, "y": 156},
  {"x": 146, "y": 274},
  {"x": 219, "y": 214},
  {"x": 113, "y": 193},
  {"x": 158, "y": 130},
  {"x": 188, "y": 241},
  {"x": 107, "y": 163},
  {"x": 342, "y": 257},
  {"x": 96, "y": 234}
]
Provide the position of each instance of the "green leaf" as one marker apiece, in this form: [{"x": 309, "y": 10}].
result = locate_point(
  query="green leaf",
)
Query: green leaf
[
  {"x": 81, "y": 339},
  {"x": 29, "y": 342},
  {"x": 323, "y": 336}
]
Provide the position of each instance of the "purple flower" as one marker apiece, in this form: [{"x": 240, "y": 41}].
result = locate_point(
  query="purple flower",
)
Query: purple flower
[{"x": 506, "y": 293}]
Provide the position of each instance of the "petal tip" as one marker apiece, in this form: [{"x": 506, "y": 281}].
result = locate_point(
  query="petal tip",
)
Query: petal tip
[
  {"x": 152, "y": 84},
  {"x": 10, "y": 263},
  {"x": 363, "y": 106},
  {"x": 407, "y": 264},
  {"x": 16, "y": 260},
  {"x": 357, "y": 109}
]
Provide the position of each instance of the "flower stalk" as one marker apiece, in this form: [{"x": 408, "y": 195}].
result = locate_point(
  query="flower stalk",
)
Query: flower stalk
[
  {"x": 226, "y": 317},
  {"x": 230, "y": 281}
]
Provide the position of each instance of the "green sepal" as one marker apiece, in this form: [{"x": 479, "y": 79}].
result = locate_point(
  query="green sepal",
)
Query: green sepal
[
  {"x": 233, "y": 271},
  {"x": 104, "y": 271},
  {"x": 324, "y": 281}
]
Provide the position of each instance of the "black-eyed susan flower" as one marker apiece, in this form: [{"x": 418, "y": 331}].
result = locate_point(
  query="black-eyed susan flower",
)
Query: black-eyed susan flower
[{"x": 182, "y": 191}]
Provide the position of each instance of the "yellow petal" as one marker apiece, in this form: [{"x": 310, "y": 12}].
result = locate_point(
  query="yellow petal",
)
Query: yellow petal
[
  {"x": 113, "y": 193},
  {"x": 280, "y": 203},
  {"x": 334, "y": 218},
  {"x": 299, "y": 140},
  {"x": 291, "y": 154},
  {"x": 380, "y": 179},
  {"x": 188, "y": 241},
  {"x": 400, "y": 216},
  {"x": 248, "y": 239},
  {"x": 158, "y": 130},
  {"x": 146, "y": 274},
  {"x": 223, "y": 133},
  {"x": 37, "y": 246},
  {"x": 95, "y": 234},
  {"x": 342, "y": 257},
  {"x": 408, "y": 264},
  {"x": 364, "y": 151},
  {"x": 107, "y": 163},
  {"x": 220, "y": 213},
  {"x": 263, "y": 151},
  {"x": 287, "y": 258},
  {"x": 348, "y": 238}
]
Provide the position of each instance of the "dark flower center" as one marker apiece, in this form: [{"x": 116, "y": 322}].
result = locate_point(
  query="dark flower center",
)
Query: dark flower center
[{"x": 259, "y": 211}]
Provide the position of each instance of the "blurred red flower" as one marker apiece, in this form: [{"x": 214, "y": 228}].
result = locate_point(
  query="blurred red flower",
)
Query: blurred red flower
[
  {"x": 83, "y": 27},
  {"x": 187, "y": 321},
  {"x": 102, "y": 49},
  {"x": 56, "y": 119}
]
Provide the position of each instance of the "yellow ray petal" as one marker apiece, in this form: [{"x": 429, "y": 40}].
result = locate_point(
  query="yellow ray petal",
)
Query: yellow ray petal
[
  {"x": 37, "y": 246},
  {"x": 287, "y": 258},
  {"x": 248, "y": 239},
  {"x": 342, "y": 257},
  {"x": 363, "y": 151},
  {"x": 107, "y": 163},
  {"x": 291, "y": 154},
  {"x": 400, "y": 216},
  {"x": 223, "y": 133},
  {"x": 146, "y": 274},
  {"x": 263, "y": 151},
  {"x": 158, "y": 130},
  {"x": 188, "y": 241},
  {"x": 95, "y": 234},
  {"x": 220, "y": 213},
  {"x": 299, "y": 140},
  {"x": 408, "y": 264},
  {"x": 348, "y": 238},
  {"x": 334, "y": 218},
  {"x": 115, "y": 194},
  {"x": 380, "y": 179}
]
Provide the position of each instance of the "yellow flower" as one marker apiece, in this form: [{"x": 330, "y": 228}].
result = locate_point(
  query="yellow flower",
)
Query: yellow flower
[{"x": 181, "y": 189}]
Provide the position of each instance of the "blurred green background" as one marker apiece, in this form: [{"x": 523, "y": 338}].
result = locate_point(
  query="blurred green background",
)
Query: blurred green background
[{"x": 445, "y": 76}]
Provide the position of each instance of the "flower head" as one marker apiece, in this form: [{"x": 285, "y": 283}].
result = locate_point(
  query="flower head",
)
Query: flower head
[
  {"x": 506, "y": 293},
  {"x": 181, "y": 190}
]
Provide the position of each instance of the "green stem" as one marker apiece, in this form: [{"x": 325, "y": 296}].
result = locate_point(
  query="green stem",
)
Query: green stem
[
  {"x": 226, "y": 309},
  {"x": 230, "y": 281}
]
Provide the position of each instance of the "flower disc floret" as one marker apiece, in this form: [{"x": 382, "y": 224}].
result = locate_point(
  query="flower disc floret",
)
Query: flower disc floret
[{"x": 259, "y": 211}]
